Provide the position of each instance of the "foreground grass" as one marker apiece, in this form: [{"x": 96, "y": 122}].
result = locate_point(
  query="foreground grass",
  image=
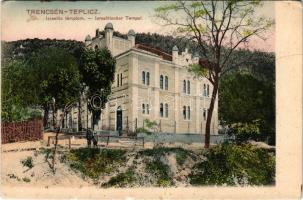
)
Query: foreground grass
[
  {"x": 93, "y": 163},
  {"x": 226, "y": 164},
  {"x": 121, "y": 180},
  {"x": 230, "y": 164}
]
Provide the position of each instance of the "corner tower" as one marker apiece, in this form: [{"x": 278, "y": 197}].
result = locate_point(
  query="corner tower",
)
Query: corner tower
[
  {"x": 131, "y": 35},
  {"x": 109, "y": 30}
]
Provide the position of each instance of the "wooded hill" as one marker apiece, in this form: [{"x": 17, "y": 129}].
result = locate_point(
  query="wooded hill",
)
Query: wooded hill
[{"x": 260, "y": 64}]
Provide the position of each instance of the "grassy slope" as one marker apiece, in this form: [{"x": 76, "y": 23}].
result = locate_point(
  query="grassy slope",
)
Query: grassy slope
[{"x": 164, "y": 167}]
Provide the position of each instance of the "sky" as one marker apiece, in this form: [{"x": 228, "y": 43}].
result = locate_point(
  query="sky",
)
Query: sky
[{"x": 17, "y": 23}]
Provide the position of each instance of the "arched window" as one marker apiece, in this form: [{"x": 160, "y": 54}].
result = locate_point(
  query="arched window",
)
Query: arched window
[
  {"x": 96, "y": 47},
  {"x": 121, "y": 79},
  {"x": 204, "y": 114},
  {"x": 166, "y": 83},
  {"x": 188, "y": 87},
  {"x": 188, "y": 112},
  {"x": 117, "y": 80},
  {"x": 184, "y": 86},
  {"x": 143, "y": 108},
  {"x": 166, "y": 110},
  {"x": 161, "y": 109},
  {"x": 184, "y": 112},
  {"x": 161, "y": 81},
  {"x": 143, "y": 77},
  {"x": 147, "y": 109},
  {"x": 147, "y": 78},
  {"x": 204, "y": 90}
]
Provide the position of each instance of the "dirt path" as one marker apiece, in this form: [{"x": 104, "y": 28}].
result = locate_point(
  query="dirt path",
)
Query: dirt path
[{"x": 13, "y": 173}]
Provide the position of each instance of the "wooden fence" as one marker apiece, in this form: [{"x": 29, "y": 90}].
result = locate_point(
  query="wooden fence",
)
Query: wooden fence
[{"x": 21, "y": 131}]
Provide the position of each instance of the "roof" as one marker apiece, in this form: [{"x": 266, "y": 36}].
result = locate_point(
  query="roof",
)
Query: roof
[{"x": 158, "y": 52}]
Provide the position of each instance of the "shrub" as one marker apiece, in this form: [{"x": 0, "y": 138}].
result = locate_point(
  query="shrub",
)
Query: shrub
[
  {"x": 161, "y": 171},
  {"x": 25, "y": 179},
  {"x": 28, "y": 162},
  {"x": 153, "y": 125},
  {"x": 95, "y": 162},
  {"x": 121, "y": 180},
  {"x": 46, "y": 152},
  {"x": 143, "y": 130},
  {"x": 235, "y": 164},
  {"x": 246, "y": 131}
]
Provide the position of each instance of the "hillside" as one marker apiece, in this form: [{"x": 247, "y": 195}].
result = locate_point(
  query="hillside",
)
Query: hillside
[{"x": 260, "y": 64}]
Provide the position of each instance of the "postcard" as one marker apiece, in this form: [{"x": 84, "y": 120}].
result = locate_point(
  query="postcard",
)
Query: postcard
[{"x": 151, "y": 99}]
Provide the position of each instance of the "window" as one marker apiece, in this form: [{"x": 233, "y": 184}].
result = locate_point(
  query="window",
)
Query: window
[
  {"x": 143, "y": 108},
  {"x": 117, "y": 80},
  {"x": 143, "y": 77},
  {"x": 121, "y": 79},
  {"x": 161, "y": 82},
  {"x": 161, "y": 109},
  {"x": 204, "y": 114},
  {"x": 184, "y": 86},
  {"x": 166, "y": 110},
  {"x": 147, "y": 109},
  {"x": 204, "y": 90},
  {"x": 166, "y": 82},
  {"x": 188, "y": 112},
  {"x": 147, "y": 78},
  {"x": 188, "y": 87}
]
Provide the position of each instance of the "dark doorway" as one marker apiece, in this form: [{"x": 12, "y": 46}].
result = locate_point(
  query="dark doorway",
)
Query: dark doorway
[{"x": 119, "y": 120}]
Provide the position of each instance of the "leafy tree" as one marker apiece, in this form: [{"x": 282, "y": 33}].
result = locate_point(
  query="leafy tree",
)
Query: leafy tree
[
  {"x": 52, "y": 73},
  {"x": 219, "y": 27},
  {"x": 97, "y": 68},
  {"x": 243, "y": 99},
  {"x": 13, "y": 94}
]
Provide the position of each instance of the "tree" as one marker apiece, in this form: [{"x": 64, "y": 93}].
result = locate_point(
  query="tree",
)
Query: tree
[
  {"x": 245, "y": 99},
  {"x": 13, "y": 106},
  {"x": 219, "y": 28},
  {"x": 97, "y": 68},
  {"x": 52, "y": 73}
]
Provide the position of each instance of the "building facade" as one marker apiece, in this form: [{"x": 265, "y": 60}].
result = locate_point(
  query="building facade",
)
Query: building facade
[{"x": 151, "y": 84}]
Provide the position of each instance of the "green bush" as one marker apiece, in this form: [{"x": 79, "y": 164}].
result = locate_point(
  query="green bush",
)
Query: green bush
[
  {"x": 25, "y": 179},
  {"x": 46, "y": 152},
  {"x": 230, "y": 164},
  {"x": 153, "y": 125},
  {"x": 161, "y": 171},
  {"x": 143, "y": 130},
  {"x": 95, "y": 162},
  {"x": 28, "y": 162},
  {"x": 246, "y": 131},
  {"x": 121, "y": 180}
]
